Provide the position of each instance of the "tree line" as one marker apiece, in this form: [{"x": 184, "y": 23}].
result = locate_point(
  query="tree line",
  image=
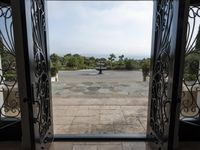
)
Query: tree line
[
  {"x": 76, "y": 62},
  {"x": 112, "y": 62}
]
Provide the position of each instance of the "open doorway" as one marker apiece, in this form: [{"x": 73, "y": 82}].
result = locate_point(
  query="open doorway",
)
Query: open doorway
[
  {"x": 100, "y": 65},
  {"x": 33, "y": 72}
]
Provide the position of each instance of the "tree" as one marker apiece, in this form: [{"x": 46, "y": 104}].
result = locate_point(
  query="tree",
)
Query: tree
[
  {"x": 55, "y": 61},
  {"x": 89, "y": 62},
  {"x": 145, "y": 68},
  {"x": 72, "y": 62},
  {"x": 92, "y": 61},
  {"x": 68, "y": 55},
  {"x": 65, "y": 60},
  {"x": 111, "y": 58},
  {"x": 129, "y": 64},
  {"x": 75, "y": 62},
  {"x": 8, "y": 66},
  {"x": 76, "y": 55},
  {"x": 121, "y": 57},
  {"x": 192, "y": 58},
  {"x": 120, "y": 64},
  {"x": 80, "y": 60},
  {"x": 54, "y": 57}
]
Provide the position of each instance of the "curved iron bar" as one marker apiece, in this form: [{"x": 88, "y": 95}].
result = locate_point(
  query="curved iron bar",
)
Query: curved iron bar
[
  {"x": 160, "y": 102},
  {"x": 41, "y": 94},
  {"x": 6, "y": 31},
  {"x": 189, "y": 106},
  {"x": 10, "y": 107}
]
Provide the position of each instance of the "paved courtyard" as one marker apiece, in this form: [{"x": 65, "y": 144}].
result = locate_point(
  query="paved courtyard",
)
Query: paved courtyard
[{"x": 85, "y": 102}]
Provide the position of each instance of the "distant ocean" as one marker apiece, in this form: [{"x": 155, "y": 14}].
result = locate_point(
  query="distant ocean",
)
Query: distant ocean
[{"x": 130, "y": 56}]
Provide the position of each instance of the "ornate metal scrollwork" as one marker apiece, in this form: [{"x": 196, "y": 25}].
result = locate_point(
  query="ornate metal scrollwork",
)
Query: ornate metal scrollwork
[
  {"x": 9, "y": 107},
  {"x": 160, "y": 102},
  {"x": 42, "y": 94},
  {"x": 191, "y": 80}
]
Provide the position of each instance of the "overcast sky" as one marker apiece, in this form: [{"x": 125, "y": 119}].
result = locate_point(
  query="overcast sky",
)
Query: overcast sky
[{"x": 100, "y": 27}]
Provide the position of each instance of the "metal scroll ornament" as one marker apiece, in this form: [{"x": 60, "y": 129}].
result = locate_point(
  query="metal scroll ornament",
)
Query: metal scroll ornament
[
  {"x": 41, "y": 86},
  {"x": 160, "y": 102},
  {"x": 9, "y": 99},
  {"x": 190, "y": 102}
]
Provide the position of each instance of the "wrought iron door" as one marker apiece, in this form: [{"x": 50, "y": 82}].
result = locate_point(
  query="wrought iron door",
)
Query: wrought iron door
[
  {"x": 30, "y": 30},
  {"x": 190, "y": 102},
  {"x": 168, "y": 43},
  {"x": 10, "y": 114}
]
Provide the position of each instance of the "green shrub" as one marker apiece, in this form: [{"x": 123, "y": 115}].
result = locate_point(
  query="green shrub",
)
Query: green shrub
[
  {"x": 10, "y": 77},
  {"x": 130, "y": 65},
  {"x": 190, "y": 77},
  {"x": 191, "y": 67},
  {"x": 145, "y": 65},
  {"x": 54, "y": 71}
]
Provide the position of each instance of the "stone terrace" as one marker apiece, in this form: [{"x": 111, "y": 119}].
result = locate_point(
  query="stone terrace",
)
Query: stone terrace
[{"x": 115, "y": 102}]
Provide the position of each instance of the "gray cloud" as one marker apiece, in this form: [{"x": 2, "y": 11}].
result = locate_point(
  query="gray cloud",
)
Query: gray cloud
[{"x": 100, "y": 27}]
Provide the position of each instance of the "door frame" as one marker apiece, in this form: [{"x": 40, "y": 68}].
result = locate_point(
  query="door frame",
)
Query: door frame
[
  {"x": 174, "y": 81},
  {"x": 24, "y": 45},
  {"x": 24, "y": 42}
]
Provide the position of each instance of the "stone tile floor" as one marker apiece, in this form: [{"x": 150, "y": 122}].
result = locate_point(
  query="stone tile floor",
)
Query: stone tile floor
[
  {"x": 85, "y": 102},
  {"x": 116, "y": 146},
  {"x": 110, "y": 117},
  {"x": 100, "y": 146}
]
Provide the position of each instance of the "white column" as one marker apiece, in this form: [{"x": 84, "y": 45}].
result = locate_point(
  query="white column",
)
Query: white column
[
  {"x": 1, "y": 87},
  {"x": 198, "y": 89}
]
